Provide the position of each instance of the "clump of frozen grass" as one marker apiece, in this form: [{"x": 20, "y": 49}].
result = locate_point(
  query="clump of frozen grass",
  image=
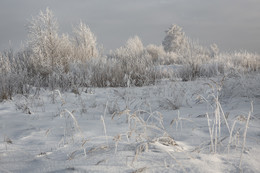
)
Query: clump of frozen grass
[
  {"x": 234, "y": 135},
  {"x": 218, "y": 116},
  {"x": 71, "y": 126},
  {"x": 31, "y": 103},
  {"x": 215, "y": 124},
  {"x": 173, "y": 95},
  {"x": 65, "y": 111},
  {"x": 145, "y": 129}
]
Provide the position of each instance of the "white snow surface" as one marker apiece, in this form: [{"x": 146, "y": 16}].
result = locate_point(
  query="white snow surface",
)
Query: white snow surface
[{"x": 160, "y": 128}]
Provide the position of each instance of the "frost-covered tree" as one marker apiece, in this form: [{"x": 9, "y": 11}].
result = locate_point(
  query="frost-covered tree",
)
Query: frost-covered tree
[
  {"x": 175, "y": 40},
  {"x": 44, "y": 41},
  {"x": 86, "y": 43},
  {"x": 50, "y": 57}
]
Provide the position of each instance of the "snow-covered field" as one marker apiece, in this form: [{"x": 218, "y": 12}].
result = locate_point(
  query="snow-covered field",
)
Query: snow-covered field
[{"x": 173, "y": 126}]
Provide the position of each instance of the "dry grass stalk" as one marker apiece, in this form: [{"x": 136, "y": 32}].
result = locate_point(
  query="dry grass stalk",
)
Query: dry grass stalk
[{"x": 244, "y": 136}]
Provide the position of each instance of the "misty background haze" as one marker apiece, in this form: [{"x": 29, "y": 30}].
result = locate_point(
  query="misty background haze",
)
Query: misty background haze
[{"x": 232, "y": 24}]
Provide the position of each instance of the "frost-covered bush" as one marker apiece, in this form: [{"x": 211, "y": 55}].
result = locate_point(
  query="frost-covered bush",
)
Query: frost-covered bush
[
  {"x": 134, "y": 62},
  {"x": 241, "y": 61},
  {"x": 156, "y": 52},
  {"x": 105, "y": 72},
  {"x": 14, "y": 77},
  {"x": 193, "y": 70}
]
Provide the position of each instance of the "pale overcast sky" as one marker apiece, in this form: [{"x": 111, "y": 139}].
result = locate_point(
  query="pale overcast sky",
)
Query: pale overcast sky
[{"x": 232, "y": 24}]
